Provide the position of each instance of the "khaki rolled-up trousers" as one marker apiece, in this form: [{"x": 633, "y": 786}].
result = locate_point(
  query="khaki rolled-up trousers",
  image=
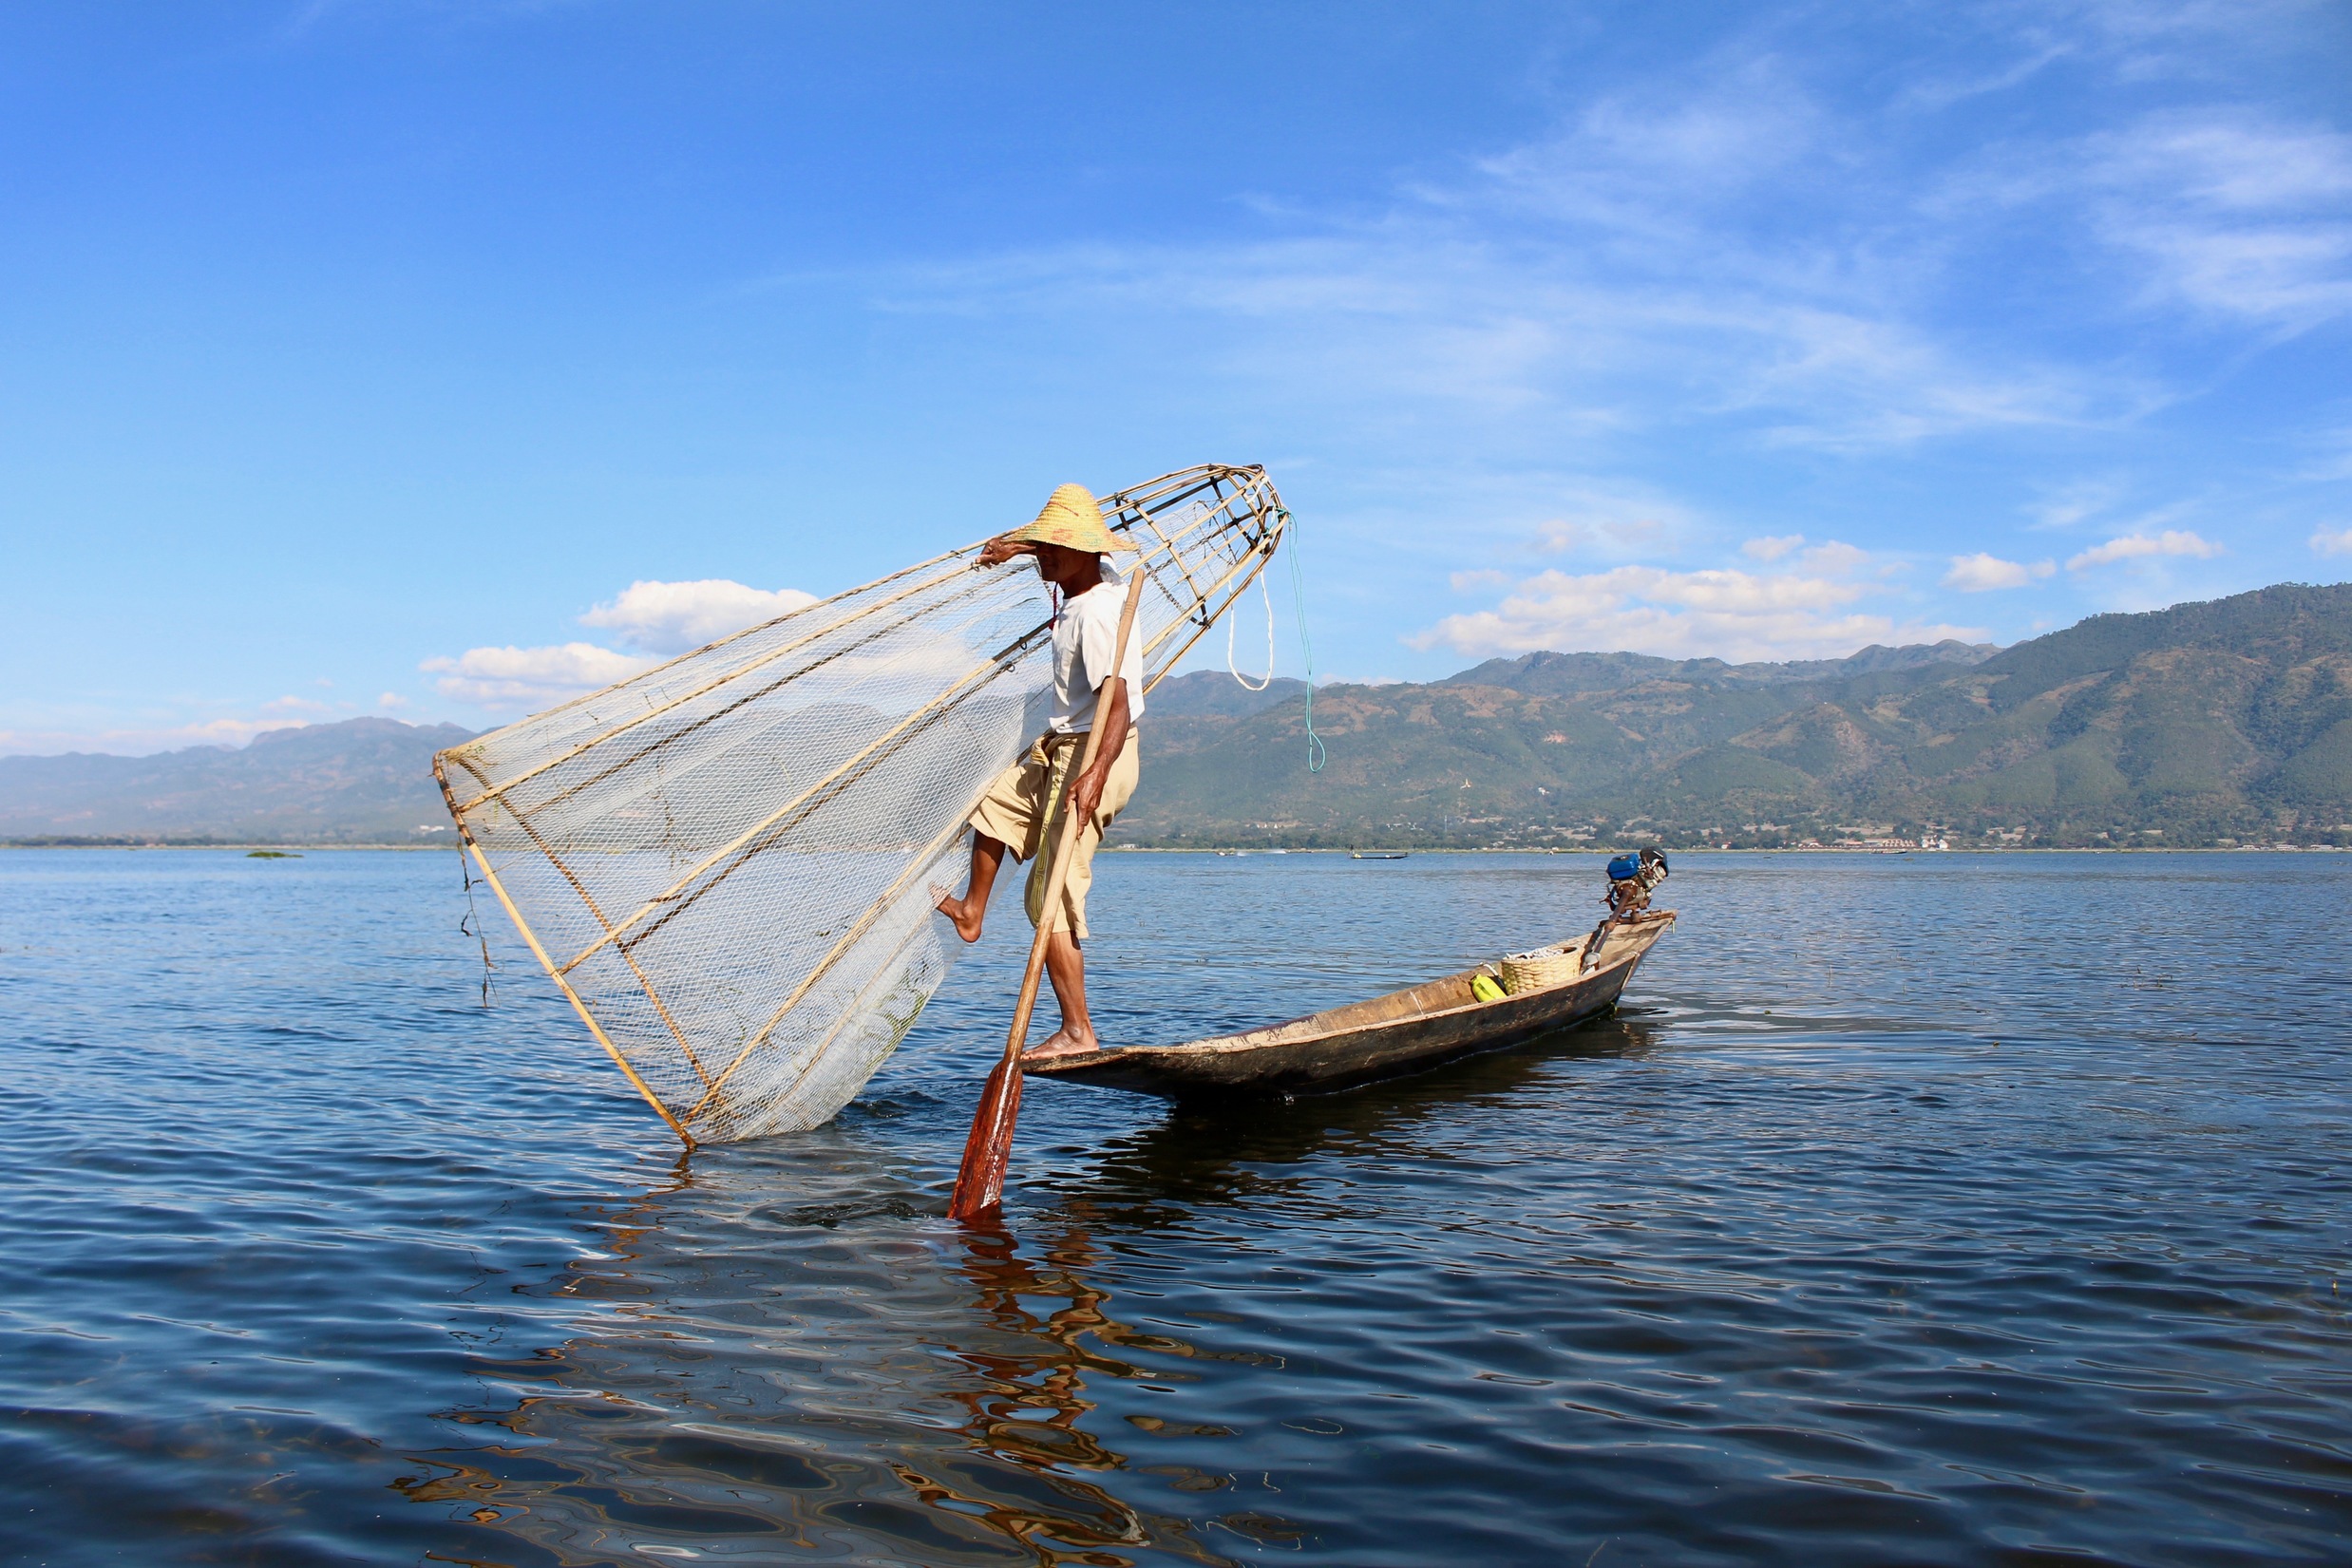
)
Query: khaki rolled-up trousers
[{"x": 1023, "y": 809}]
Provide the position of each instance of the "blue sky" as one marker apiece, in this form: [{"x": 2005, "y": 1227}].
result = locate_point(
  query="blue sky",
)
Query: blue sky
[{"x": 429, "y": 359}]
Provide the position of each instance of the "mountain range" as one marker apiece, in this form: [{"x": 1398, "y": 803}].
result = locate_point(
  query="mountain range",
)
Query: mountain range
[
  {"x": 2206, "y": 724},
  {"x": 362, "y": 781},
  {"x": 2212, "y": 723}
]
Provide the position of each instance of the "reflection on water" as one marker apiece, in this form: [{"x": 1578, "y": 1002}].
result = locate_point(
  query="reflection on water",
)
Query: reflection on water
[
  {"x": 1860, "y": 1236},
  {"x": 1247, "y": 1152},
  {"x": 755, "y": 1393},
  {"x": 715, "y": 1401}
]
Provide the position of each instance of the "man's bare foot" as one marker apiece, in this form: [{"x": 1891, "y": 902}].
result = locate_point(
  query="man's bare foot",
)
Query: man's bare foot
[
  {"x": 967, "y": 920},
  {"x": 1060, "y": 1043}
]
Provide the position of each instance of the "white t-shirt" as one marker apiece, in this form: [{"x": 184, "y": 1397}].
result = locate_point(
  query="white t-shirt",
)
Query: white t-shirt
[{"x": 1084, "y": 640}]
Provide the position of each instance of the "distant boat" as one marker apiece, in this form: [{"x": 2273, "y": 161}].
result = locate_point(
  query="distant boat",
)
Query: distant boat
[
  {"x": 1378, "y": 853},
  {"x": 1403, "y": 1031}
]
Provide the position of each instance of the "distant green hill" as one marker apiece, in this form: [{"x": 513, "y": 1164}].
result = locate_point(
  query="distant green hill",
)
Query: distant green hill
[
  {"x": 2200, "y": 725},
  {"x": 2205, "y": 724},
  {"x": 362, "y": 781}
]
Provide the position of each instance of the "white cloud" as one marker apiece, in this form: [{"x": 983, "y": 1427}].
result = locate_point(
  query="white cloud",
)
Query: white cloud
[
  {"x": 508, "y": 677},
  {"x": 294, "y": 705},
  {"x": 2336, "y": 543},
  {"x": 391, "y": 700},
  {"x": 1772, "y": 547},
  {"x": 2172, "y": 541},
  {"x": 658, "y": 618},
  {"x": 1730, "y": 614},
  {"x": 1466, "y": 582},
  {"x": 676, "y": 618},
  {"x": 1982, "y": 573}
]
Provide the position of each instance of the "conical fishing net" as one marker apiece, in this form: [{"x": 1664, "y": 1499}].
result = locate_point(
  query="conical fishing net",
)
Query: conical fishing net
[{"x": 729, "y": 864}]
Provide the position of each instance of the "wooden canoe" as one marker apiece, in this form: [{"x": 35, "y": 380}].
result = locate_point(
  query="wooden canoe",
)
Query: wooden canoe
[{"x": 1403, "y": 1031}]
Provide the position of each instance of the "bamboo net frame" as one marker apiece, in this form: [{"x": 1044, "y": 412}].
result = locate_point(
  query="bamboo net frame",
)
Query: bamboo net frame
[{"x": 728, "y": 863}]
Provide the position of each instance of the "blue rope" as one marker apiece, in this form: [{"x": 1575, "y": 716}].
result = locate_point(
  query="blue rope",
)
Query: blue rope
[{"x": 1316, "y": 755}]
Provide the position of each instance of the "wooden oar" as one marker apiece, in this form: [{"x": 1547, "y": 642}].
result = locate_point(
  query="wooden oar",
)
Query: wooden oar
[{"x": 979, "y": 1183}]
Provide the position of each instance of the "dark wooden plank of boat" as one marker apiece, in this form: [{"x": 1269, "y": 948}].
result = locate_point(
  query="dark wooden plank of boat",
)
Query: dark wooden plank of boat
[{"x": 1405, "y": 1032}]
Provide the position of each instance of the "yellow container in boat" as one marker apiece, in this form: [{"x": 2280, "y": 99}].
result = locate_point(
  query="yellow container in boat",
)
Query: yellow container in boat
[{"x": 1487, "y": 988}]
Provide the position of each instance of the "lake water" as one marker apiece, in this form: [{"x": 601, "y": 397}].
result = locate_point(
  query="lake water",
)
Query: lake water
[{"x": 1943, "y": 1209}]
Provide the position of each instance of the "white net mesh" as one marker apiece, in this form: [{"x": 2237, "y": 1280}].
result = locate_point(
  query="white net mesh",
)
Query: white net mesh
[{"x": 731, "y": 862}]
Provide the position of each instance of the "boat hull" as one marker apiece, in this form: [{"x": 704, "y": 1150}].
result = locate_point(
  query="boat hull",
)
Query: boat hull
[{"x": 1404, "y": 1031}]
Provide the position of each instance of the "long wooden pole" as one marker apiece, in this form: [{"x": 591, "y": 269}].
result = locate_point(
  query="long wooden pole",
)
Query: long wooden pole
[
  {"x": 979, "y": 1181},
  {"x": 1139, "y": 504}
]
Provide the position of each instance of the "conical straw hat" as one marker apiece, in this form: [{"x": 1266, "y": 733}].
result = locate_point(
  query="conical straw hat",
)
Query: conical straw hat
[{"x": 1074, "y": 520}]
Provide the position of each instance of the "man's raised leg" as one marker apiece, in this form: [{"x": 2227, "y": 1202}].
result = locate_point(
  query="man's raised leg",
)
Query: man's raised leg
[
  {"x": 970, "y": 910},
  {"x": 1066, "y": 967}
]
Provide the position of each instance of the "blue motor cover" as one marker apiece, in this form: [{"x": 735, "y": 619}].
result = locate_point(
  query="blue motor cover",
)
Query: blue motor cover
[{"x": 1624, "y": 868}]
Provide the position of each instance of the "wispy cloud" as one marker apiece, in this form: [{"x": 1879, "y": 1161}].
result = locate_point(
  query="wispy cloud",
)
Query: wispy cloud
[
  {"x": 1941, "y": 90},
  {"x": 2223, "y": 210},
  {"x": 1614, "y": 519},
  {"x": 2233, "y": 215},
  {"x": 2172, "y": 541},
  {"x": 2068, "y": 504},
  {"x": 1411, "y": 313},
  {"x": 1983, "y": 572},
  {"x": 2335, "y": 542},
  {"x": 1835, "y": 557},
  {"x": 2332, "y": 458},
  {"x": 1634, "y": 268}
]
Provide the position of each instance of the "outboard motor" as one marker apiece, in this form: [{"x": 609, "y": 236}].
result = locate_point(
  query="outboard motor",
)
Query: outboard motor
[{"x": 1632, "y": 879}]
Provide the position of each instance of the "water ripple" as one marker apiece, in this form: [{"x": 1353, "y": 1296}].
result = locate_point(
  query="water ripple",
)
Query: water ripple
[{"x": 1940, "y": 1210}]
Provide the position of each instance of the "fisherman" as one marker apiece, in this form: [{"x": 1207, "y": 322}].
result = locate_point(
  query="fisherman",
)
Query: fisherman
[{"x": 1018, "y": 813}]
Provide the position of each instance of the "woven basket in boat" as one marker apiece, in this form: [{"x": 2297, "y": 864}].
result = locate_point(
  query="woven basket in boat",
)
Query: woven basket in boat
[{"x": 1547, "y": 965}]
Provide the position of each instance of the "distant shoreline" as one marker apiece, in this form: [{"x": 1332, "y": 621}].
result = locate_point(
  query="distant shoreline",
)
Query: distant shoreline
[
  {"x": 1752, "y": 849},
  {"x": 294, "y": 845},
  {"x": 1237, "y": 850}
]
